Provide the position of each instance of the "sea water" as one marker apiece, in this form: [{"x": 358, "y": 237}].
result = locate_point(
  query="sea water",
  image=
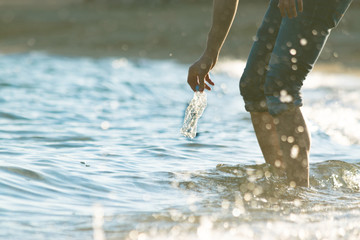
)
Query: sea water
[{"x": 91, "y": 149}]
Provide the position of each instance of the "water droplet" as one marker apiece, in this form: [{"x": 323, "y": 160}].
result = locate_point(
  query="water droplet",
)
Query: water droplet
[
  {"x": 236, "y": 212},
  {"x": 105, "y": 125},
  {"x": 120, "y": 63},
  {"x": 247, "y": 197},
  {"x": 142, "y": 236},
  {"x": 285, "y": 97},
  {"x": 294, "y": 152},
  {"x": 31, "y": 42},
  {"x": 267, "y": 173},
  {"x": 290, "y": 139},
  {"x": 260, "y": 71},
  {"x": 258, "y": 190},
  {"x": 225, "y": 204},
  {"x": 125, "y": 47},
  {"x": 278, "y": 163},
  {"x": 303, "y": 42},
  {"x": 297, "y": 203},
  {"x": 191, "y": 219},
  {"x": 300, "y": 129}
]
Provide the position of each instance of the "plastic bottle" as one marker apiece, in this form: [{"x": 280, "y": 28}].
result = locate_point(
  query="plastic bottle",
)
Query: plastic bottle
[{"x": 193, "y": 112}]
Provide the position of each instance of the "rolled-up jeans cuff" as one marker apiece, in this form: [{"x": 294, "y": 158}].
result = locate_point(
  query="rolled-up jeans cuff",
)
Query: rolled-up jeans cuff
[
  {"x": 276, "y": 106},
  {"x": 256, "y": 106}
]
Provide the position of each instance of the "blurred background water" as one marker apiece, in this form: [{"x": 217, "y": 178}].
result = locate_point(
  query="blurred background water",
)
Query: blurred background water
[{"x": 91, "y": 149}]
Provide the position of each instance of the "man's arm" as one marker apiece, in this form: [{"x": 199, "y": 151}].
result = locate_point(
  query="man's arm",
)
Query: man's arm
[{"x": 223, "y": 16}]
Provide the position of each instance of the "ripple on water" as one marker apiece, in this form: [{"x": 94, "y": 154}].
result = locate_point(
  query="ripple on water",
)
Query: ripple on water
[
  {"x": 84, "y": 139},
  {"x": 11, "y": 116}
]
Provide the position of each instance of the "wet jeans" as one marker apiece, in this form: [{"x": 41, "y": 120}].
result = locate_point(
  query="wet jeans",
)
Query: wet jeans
[{"x": 284, "y": 52}]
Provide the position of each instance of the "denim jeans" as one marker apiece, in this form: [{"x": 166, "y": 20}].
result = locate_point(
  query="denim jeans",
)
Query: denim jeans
[{"x": 284, "y": 52}]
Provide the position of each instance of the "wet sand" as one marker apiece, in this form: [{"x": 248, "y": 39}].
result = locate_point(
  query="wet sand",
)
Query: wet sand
[{"x": 173, "y": 31}]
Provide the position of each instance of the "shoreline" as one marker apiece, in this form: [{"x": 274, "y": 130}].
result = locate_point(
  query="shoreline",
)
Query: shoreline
[{"x": 175, "y": 32}]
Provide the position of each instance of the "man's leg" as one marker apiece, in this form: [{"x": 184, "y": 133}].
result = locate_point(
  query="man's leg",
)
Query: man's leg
[
  {"x": 268, "y": 138},
  {"x": 285, "y": 143},
  {"x": 298, "y": 45},
  {"x": 294, "y": 140},
  {"x": 252, "y": 84}
]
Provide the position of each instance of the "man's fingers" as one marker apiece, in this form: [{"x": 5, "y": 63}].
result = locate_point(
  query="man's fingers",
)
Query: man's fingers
[
  {"x": 288, "y": 8},
  {"x": 207, "y": 78},
  {"x": 197, "y": 83},
  {"x": 196, "y": 79},
  {"x": 281, "y": 8},
  {"x": 292, "y": 9},
  {"x": 300, "y": 5},
  {"x": 207, "y": 87},
  {"x": 201, "y": 83}
]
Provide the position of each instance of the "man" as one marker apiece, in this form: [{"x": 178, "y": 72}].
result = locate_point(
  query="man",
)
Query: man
[{"x": 288, "y": 44}]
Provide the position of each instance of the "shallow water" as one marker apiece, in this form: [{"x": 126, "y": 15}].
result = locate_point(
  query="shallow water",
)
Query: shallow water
[{"x": 91, "y": 149}]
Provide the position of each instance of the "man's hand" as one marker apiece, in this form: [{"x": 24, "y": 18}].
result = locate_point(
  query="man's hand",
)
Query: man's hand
[
  {"x": 223, "y": 17},
  {"x": 199, "y": 73},
  {"x": 288, "y": 7}
]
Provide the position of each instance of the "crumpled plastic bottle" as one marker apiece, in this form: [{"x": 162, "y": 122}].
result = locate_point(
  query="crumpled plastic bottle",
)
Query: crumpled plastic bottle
[{"x": 193, "y": 112}]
